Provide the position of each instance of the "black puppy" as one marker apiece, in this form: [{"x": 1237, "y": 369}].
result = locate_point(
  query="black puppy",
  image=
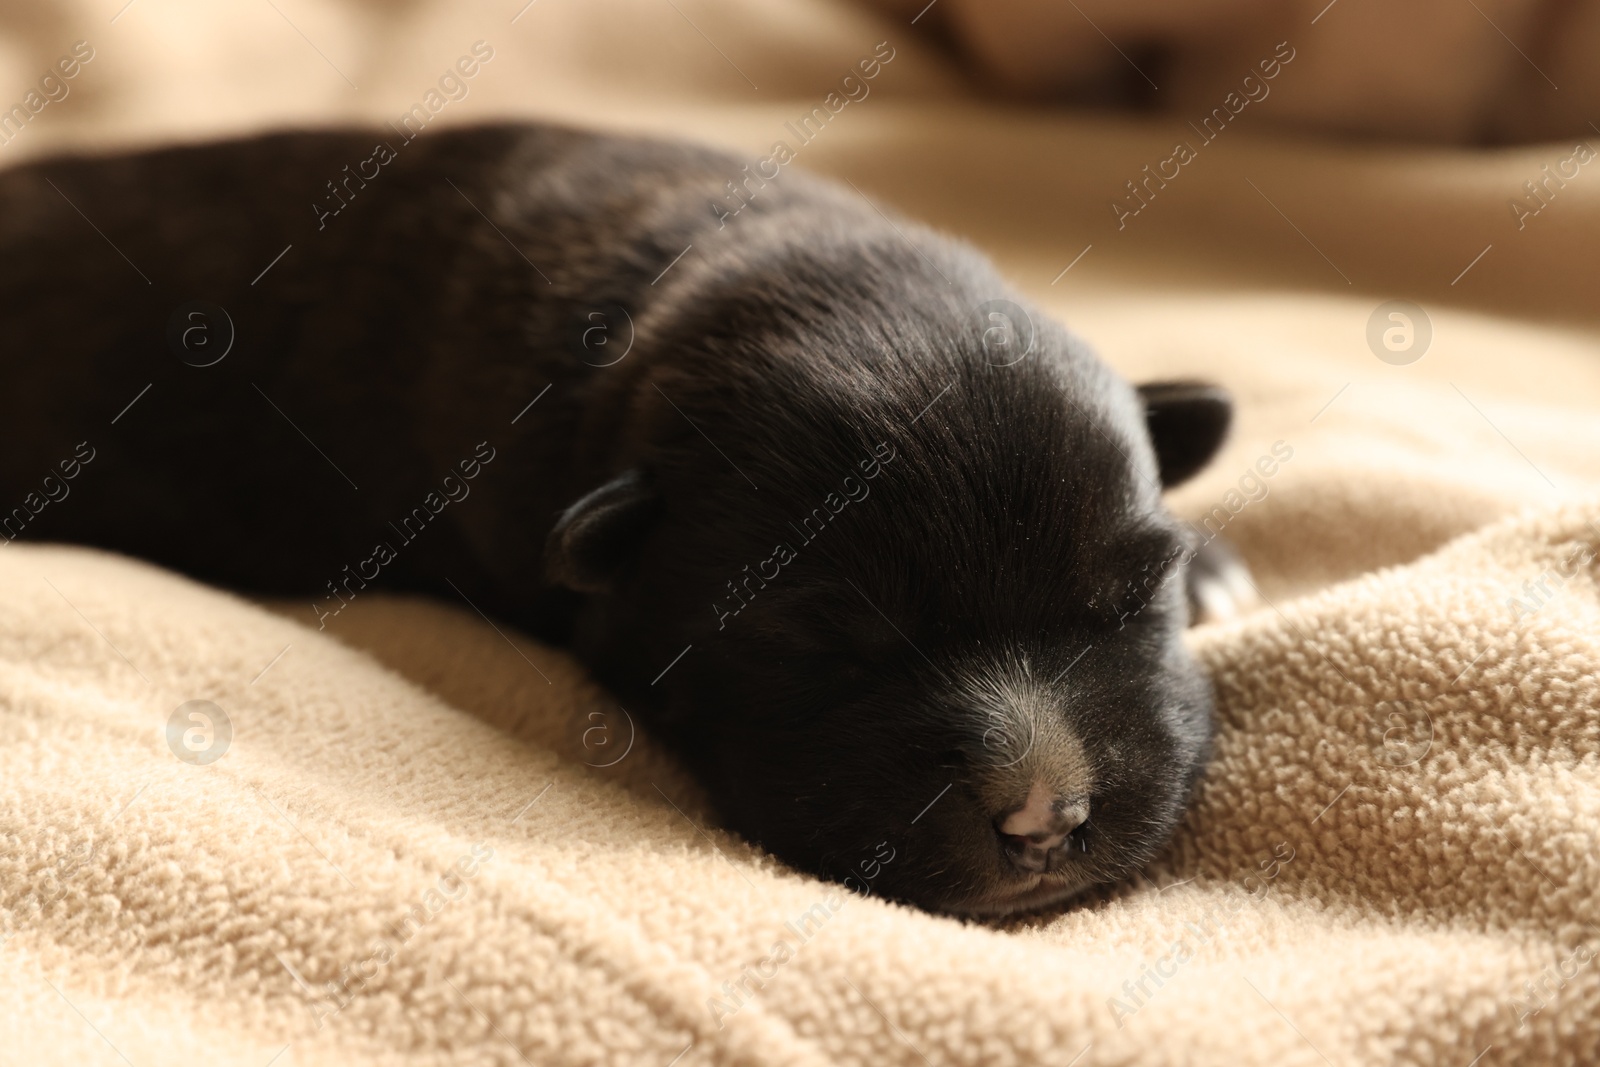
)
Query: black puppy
[{"x": 881, "y": 553}]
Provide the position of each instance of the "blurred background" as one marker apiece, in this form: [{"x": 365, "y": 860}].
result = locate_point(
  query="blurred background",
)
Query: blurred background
[{"x": 1235, "y": 189}]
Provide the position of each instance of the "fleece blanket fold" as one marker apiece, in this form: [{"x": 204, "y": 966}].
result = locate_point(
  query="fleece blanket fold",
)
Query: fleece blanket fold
[
  {"x": 416, "y": 837},
  {"x": 470, "y": 855}
]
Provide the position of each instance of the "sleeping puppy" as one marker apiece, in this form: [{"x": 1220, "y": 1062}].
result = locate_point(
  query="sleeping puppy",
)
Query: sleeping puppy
[{"x": 880, "y": 552}]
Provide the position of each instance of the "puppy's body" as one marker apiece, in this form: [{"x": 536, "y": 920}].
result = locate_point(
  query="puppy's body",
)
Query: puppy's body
[
  {"x": 876, "y": 576},
  {"x": 368, "y": 362}
]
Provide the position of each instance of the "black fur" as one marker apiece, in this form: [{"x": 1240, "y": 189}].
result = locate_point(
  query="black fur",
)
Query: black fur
[{"x": 917, "y": 552}]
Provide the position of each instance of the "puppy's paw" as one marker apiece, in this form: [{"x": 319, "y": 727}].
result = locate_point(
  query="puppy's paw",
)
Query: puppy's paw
[{"x": 1220, "y": 586}]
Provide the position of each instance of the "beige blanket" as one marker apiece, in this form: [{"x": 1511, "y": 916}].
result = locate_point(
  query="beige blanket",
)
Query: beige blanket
[
  {"x": 415, "y": 838},
  {"x": 1485, "y": 71}
]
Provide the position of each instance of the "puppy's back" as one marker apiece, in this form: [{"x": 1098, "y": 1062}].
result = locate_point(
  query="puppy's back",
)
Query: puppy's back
[{"x": 383, "y": 305}]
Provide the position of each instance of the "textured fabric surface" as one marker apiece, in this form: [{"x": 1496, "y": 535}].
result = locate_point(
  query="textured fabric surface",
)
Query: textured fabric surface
[{"x": 1392, "y": 858}]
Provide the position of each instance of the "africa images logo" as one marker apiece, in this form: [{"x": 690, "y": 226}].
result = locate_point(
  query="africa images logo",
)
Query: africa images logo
[{"x": 199, "y": 732}]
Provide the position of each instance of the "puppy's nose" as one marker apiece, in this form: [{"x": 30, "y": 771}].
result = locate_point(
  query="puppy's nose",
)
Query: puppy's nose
[{"x": 1036, "y": 835}]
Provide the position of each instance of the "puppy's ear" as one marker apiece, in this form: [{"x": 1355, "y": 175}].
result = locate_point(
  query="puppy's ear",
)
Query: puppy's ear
[
  {"x": 1188, "y": 421},
  {"x": 597, "y": 537}
]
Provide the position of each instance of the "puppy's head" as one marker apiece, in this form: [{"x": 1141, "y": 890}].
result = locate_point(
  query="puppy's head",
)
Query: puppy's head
[{"x": 913, "y": 614}]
